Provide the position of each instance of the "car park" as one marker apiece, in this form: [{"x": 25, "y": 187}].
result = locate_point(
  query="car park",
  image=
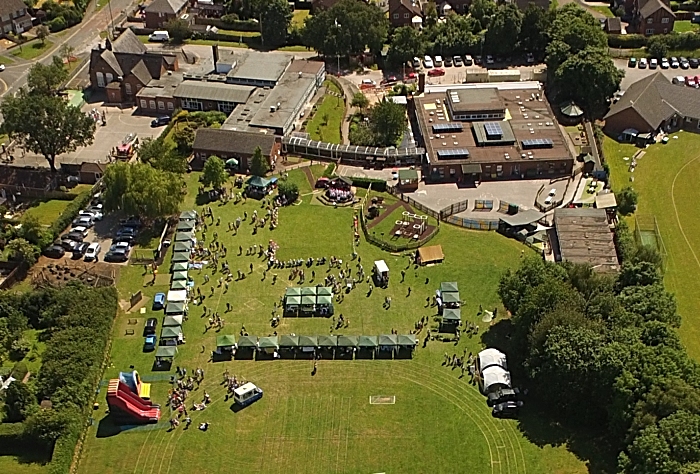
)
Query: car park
[
  {"x": 674, "y": 63},
  {"x": 690, "y": 81},
  {"x": 150, "y": 326},
  {"x": 428, "y": 62},
  {"x": 643, "y": 63},
  {"x": 92, "y": 252},
  {"x": 694, "y": 63},
  {"x": 438, "y": 61},
  {"x": 507, "y": 409},
  {"x": 117, "y": 255},
  {"x": 80, "y": 249},
  {"x": 457, "y": 61},
  {"x": 159, "y": 121},
  {"x": 684, "y": 63},
  {"x": 83, "y": 221},
  {"x": 149, "y": 344},
  {"x": 502, "y": 395},
  {"x": 158, "y": 301},
  {"x": 436, "y": 72},
  {"x": 653, "y": 63},
  {"x": 664, "y": 63},
  {"x": 468, "y": 61},
  {"x": 54, "y": 251},
  {"x": 448, "y": 61}
]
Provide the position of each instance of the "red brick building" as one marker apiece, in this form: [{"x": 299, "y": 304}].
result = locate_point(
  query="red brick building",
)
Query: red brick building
[
  {"x": 159, "y": 12},
  {"x": 14, "y": 17},
  {"x": 652, "y": 17},
  {"x": 232, "y": 144},
  {"x": 402, "y": 12}
]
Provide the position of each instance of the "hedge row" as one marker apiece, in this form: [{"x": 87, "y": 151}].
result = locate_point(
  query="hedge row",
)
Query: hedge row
[
  {"x": 228, "y": 22},
  {"x": 377, "y": 184},
  {"x": 627, "y": 41},
  {"x": 329, "y": 172},
  {"x": 70, "y": 212}
]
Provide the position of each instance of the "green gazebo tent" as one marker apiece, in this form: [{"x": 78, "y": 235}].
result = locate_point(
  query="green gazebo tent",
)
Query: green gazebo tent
[
  {"x": 288, "y": 341},
  {"x": 325, "y": 300},
  {"x": 185, "y": 226},
  {"x": 173, "y": 321},
  {"x": 185, "y": 246},
  {"x": 175, "y": 308},
  {"x": 451, "y": 297},
  {"x": 324, "y": 291},
  {"x": 327, "y": 341},
  {"x": 183, "y": 236},
  {"x": 292, "y": 291},
  {"x": 181, "y": 257},
  {"x": 179, "y": 267},
  {"x": 268, "y": 342},
  {"x": 448, "y": 286},
  {"x": 258, "y": 182},
  {"x": 408, "y": 340},
  {"x": 227, "y": 342},
  {"x": 308, "y": 341},
  {"x": 178, "y": 285},
  {"x": 308, "y": 291},
  {"x": 452, "y": 316},
  {"x": 248, "y": 341},
  {"x": 570, "y": 109},
  {"x": 308, "y": 300},
  {"x": 293, "y": 300},
  {"x": 368, "y": 341},
  {"x": 188, "y": 215},
  {"x": 166, "y": 352},
  {"x": 180, "y": 275},
  {"x": 388, "y": 340},
  {"x": 170, "y": 332},
  {"x": 347, "y": 341}
]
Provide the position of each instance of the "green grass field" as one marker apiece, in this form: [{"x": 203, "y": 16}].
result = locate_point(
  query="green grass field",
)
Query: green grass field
[
  {"x": 31, "y": 49},
  {"x": 48, "y": 211},
  {"x": 324, "y": 423},
  {"x": 332, "y": 108},
  {"x": 299, "y": 17},
  {"x": 665, "y": 179},
  {"x": 684, "y": 26},
  {"x": 604, "y": 10}
]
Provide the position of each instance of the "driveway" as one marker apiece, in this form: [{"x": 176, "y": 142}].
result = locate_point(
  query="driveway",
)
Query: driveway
[{"x": 632, "y": 75}]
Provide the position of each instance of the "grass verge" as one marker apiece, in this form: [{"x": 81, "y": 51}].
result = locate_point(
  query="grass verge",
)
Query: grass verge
[{"x": 31, "y": 49}]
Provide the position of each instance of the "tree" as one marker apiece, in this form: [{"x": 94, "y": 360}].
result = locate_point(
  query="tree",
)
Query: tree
[
  {"x": 347, "y": 28},
  {"x": 638, "y": 274},
  {"x": 430, "y": 14},
  {"x": 288, "y": 190},
  {"x": 504, "y": 29},
  {"x": 34, "y": 232},
  {"x": 157, "y": 153},
  {"x": 184, "y": 138},
  {"x": 657, "y": 47},
  {"x": 275, "y": 18},
  {"x": 66, "y": 51},
  {"x": 20, "y": 402},
  {"x": 482, "y": 10},
  {"x": 360, "y": 134},
  {"x": 47, "y": 426},
  {"x": 259, "y": 166},
  {"x": 47, "y": 79},
  {"x": 590, "y": 78},
  {"x": 142, "y": 190},
  {"x": 46, "y": 125},
  {"x": 627, "y": 200},
  {"x": 214, "y": 173},
  {"x": 406, "y": 43},
  {"x": 42, "y": 32},
  {"x": 23, "y": 250},
  {"x": 534, "y": 32},
  {"x": 178, "y": 30},
  {"x": 359, "y": 100},
  {"x": 387, "y": 122}
]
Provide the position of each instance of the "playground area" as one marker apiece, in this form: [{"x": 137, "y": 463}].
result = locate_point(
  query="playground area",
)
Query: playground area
[{"x": 328, "y": 415}]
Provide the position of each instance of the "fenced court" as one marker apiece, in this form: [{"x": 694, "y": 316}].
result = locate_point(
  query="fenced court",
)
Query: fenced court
[{"x": 646, "y": 231}]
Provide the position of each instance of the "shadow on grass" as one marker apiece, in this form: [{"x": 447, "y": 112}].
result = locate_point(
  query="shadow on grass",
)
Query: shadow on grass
[
  {"x": 542, "y": 425},
  {"x": 24, "y": 452},
  {"x": 108, "y": 427}
]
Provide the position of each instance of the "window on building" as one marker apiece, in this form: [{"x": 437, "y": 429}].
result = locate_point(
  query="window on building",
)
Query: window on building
[
  {"x": 170, "y": 106},
  {"x": 144, "y": 104},
  {"x": 665, "y": 20},
  {"x": 152, "y": 104},
  {"x": 109, "y": 77},
  {"x": 161, "y": 105},
  {"x": 396, "y": 16},
  {"x": 127, "y": 88},
  {"x": 650, "y": 31},
  {"x": 650, "y": 20},
  {"x": 698, "y": 123},
  {"x": 405, "y": 15},
  {"x": 452, "y": 171}
]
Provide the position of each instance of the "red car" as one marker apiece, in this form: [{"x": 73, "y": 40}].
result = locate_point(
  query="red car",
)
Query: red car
[
  {"x": 412, "y": 75},
  {"x": 436, "y": 72}
]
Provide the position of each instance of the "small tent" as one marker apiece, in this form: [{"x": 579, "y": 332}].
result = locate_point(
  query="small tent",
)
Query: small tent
[
  {"x": 185, "y": 226},
  {"x": 173, "y": 321},
  {"x": 368, "y": 342},
  {"x": 347, "y": 341},
  {"x": 165, "y": 353},
  {"x": 181, "y": 257},
  {"x": 491, "y": 357},
  {"x": 247, "y": 342},
  {"x": 288, "y": 341},
  {"x": 188, "y": 215},
  {"x": 177, "y": 296},
  {"x": 179, "y": 267},
  {"x": 175, "y": 308},
  {"x": 493, "y": 378},
  {"x": 178, "y": 285},
  {"x": 183, "y": 236},
  {"x": 180, "y": 276},
  {"x": 268, "y": 344},
  {"x": 308, "y": 343},
  {"x": 327, "y": 341},
  {"x": 170, "y": 333},
  {"x": 449, "y": 286},
  {"x": 185, "y": 246},
  {"x": 226, "y": 342}
]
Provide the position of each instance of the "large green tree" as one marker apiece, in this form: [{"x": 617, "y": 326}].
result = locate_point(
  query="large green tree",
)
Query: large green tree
[
  {"x": 46, "y": 79},
  {"x": 275, "y": 17},
  {"x": 483, "y": 10},
  {"x": 161, "y": 155},
  {"x": 259, "y": 166},
  {"x": 142, "y": 190},
  {"x": 504, "y": 30},
  {"x": 347, "y": 28},
  {"x": 46, "y": 125},
  {"x": 22, "y": 250},
  {"x": 178, "y": 30},
  {"x": 214, "y": 173},
  {"x": 20, "y": 402},
  {"x": 534, "y": 32},
  {"x": 406, "y": 43},
  {"x": 388, "y": 122}
]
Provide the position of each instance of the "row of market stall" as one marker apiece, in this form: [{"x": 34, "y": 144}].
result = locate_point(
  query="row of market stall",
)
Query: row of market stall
[
  {"x": 448, "y": 302},
  {"x": 291, "y": 346},
  {"x": 176, "y": 308},
  {"x": 308, "y": 301}
]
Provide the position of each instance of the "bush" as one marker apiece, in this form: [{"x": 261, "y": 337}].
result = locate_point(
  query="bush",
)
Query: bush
[
  {"x": 70, "y": 212},
  {"x": 329, "y": 172},
  {"x": 627, "y": 200},
  {"x": 377, "y": 184},
  {"x": 20, "y": 370},
  {"x": 239, "y": 25},
  {"x": 57, "y": 24},
  {"x": 624, "y": 241},
  {"x": 627, "y": 41}
]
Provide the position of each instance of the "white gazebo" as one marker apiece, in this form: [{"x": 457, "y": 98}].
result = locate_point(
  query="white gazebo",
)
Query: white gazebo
[{"x": 492, "y": 357}]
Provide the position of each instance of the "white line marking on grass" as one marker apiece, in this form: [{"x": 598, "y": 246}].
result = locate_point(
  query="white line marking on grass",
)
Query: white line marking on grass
[
  {"x": 337, "y": 447},
  {"x": 347, "y": 433},
  {"x": 675, "y": 209},
  {"x": 138, "y": 459}
]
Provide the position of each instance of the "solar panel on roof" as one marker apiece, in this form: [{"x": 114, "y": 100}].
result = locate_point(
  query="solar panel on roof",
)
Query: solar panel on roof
[
  {"x": 493, "y": 130},
  {"x": 537, "y": 143},
  {"x": 454, "y": 153},
  {"x": 447, "y": 127}
]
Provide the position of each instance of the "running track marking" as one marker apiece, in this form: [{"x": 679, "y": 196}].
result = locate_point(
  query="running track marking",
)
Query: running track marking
[{"x": 675, "y": 209}]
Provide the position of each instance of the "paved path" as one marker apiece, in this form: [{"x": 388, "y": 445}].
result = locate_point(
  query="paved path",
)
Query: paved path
[
  {"x": 349, "y": 89},
  {"x": 309, "y": 176}
]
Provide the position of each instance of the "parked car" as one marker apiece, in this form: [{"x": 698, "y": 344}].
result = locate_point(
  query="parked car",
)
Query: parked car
[
  {"x": 159, "y": 36},
  {"x": 120, "y": 246},
  {"x": 643, "y": 63},
  {"x": 678, "y": 80},
  {"x": 133, "y": 221},
  {"x": 83, "y": 221},
  {"x": 457, "y": 61},
  {"x": 66, "y": 242},
  {"x": 694, "y": 63},
  {"x": 436, "y": 72},
  {"x": 428, "y": 62},
  {"x": 664, "y": 63},
  {"x": 117, "y": 255},
  {"x": 79, "y": 231},
  {"x": 632, "y": 62},
  {"x": 391, "y": 79},
  {"x": 411, "y": 75},
  {"x": 468, "y": 61},
  {"x": 130, "y": 231},
  {"x": 506, "y": 409},
  {"x": 502, "y": 395},
  {"x": 489, "y": 59},
  {"x": 55, "y": 251},
  {"x": 653, "y": 63},
  {"x": 150, "y": 326},
  {"x": 448, "y": 61},
  {"x": 368, "y": 82},
  {"x": 80, "y": 249},
  {"x": 149, "y": 344},
  {"x": 674, "y": 63},
  {"x": 93, "y": 213},
  {"x": 2, "y": 67},
  {"x": 130, "y": 239},
  {"x": 690, "y": 81},
  {"x": 92, "y": 252},
  {"x": 416, "y": 63},
  {"x": 438, "y": 61},
  {"x": 477, "y": 59},
  {"x": 159, "y": 121},
  {"x": 158, "y": 301},
  {"x": 684, "y": 63}
]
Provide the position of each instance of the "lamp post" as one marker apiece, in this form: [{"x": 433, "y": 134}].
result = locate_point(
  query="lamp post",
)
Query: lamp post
[{"x": 337, "y": 45}]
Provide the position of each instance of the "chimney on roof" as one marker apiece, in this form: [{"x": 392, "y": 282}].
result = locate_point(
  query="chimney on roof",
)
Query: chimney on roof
[
  {"x": 108, "y": 44},
  {"x": 215, "y": 54},
  {"x": 421, "y": 83}
]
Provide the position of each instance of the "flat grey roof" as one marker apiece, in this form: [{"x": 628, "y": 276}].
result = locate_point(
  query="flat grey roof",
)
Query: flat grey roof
[
  {"x": 288, "y": 94},
  {"x": 165, "y": 86},
  {"x": 260, "y": 66},
  {"x": 214, "y": 91},
  {"x": 475, "y": 100},
  {"x": 584, "y": 236},
  {"x": 523, "y": 218}
]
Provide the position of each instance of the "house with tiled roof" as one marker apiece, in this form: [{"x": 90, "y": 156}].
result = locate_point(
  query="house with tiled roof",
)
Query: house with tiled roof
[
  {"x": 654, "y": 104},
  {"x": 14, "y": 17},
  {"x": 652, "y": 17},
  {"x": 124, "y": 66},
  {"x": 405, "y": 13},
  {"x": 159, "y": 12},
  {"x": 227, "y": 144}
]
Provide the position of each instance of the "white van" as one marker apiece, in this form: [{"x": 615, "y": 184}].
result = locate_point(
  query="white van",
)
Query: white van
[
  {"x": 678, "y": 80},
  {"x": 247, "y": 394},
  {"x": 159, "y": 36}
]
